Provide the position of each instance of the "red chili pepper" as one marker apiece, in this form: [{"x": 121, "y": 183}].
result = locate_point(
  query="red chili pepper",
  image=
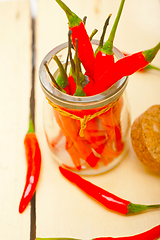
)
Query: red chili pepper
[
  {"x": 107, "y": 199},
  {"x": 104, "y": 57},
  {"x": 124, "y": 67},
  {"x": 152, "y": 234},
  {"x": 148, "y": 67},
  {"x": 33, "y": 157},
  {"x": 75, "y": 71},
  {"x": 85, "y": 50}
]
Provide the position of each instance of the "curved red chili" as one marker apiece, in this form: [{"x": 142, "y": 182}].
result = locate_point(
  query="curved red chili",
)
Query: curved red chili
[
  {"x": 85, "y": 50},
  {"x": 152, "y": 234},
  {"x": 148, "y": 67},
  {"x": 124, "y": 67},
  {"x": 104, "y": 197},
  {"x": 33, "y": 157}
]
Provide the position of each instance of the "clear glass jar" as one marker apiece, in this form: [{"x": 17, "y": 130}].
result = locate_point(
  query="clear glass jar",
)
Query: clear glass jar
[{"x": 87, "y": 135}]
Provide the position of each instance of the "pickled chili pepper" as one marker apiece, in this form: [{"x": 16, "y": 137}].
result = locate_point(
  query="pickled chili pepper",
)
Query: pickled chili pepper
[
  {"x": 124, "y": 67},
  {"x": 85, "y": 50},
  {"x": 107, "y": 199},
  {"x": 104, "y": 57},
  {"x": 151, "y": 234},
  {"x": 70, "y": 128},
  {"x": 33, "y": 157},
  {"x": 69, "y": 146}
]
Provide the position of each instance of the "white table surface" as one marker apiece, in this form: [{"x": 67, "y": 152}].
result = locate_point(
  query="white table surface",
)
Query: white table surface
[{"x": 62, "y": 210}]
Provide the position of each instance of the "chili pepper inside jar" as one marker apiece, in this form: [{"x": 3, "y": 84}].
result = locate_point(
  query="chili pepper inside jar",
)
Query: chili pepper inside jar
[{"x": 86, "y": 134}]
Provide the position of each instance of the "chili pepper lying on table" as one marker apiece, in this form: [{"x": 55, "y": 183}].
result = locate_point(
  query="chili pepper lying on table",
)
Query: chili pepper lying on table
[
  {"x": 124, "y": 67},
  {"x": 151, "y": 234},
  {"x": 85, "y": 50},
  {"x": 105, "y": 57},
  {"x": 107, "y": 199},
  {"x": 33, "y": 156}
]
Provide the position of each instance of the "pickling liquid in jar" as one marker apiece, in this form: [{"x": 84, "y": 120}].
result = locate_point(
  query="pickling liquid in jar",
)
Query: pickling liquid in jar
[{"x": 87, "y": 135}]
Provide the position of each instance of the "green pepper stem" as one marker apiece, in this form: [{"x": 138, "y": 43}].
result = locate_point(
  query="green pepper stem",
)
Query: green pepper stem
[
  {"x": 103, "y": 34},
  {"x": 53, "y": 79},
  {"x": 62, "y": 78},
  {"x": 151, "y": 53},
  {"x": 79, "y": 90},
  {"x": 107, "y": 48},
  {"x": 136, "y": 208},
  {"x": 84, "y": 20},
  {"x": 93, "y": 34},
  {"x": 31, "y": 125},
  {"x": 70, "y": 52},
  {"x": 73, "y": 19},
  {"x": 149, "y": 66}
]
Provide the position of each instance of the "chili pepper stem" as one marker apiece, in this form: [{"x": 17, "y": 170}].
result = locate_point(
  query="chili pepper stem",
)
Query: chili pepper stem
[
  {"x": 92, "y": 34},
  {"x": 107, "y": 48},
  {"x": 103, "y": 34},
  {"x": 31, "y": 125},
  {"x": 79, "y": 89},
  {"x": 137, "y": 208},
  {"x": 84, "y": 20},
  {"x": 52, "y": 78},
  {"x": 151, "y": 53},
  {"x": 149, "y": 66},
  {"x": 73, "y": 19},
  {"x": 62, "y": 78}
]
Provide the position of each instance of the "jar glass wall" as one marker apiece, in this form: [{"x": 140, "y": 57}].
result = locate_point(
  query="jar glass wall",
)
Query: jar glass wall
[{"x": 85, "y": 134}]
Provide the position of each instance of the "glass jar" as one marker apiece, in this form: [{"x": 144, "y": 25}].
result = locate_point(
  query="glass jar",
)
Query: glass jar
[{"x": 87, "y": 135}]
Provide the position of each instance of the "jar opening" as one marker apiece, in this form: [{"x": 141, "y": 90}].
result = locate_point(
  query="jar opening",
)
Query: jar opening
[{"x": 73, "y": 102}]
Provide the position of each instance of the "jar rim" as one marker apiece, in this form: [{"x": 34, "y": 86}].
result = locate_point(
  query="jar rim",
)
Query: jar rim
[{"x": 75, "y": 102}]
